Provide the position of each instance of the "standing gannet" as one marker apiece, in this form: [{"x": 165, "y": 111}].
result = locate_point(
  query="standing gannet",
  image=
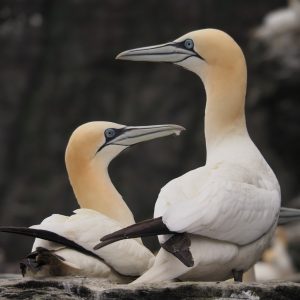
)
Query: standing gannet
[
  {"x": 90, "y": 149},
  {"x": 223, "y": 215}
]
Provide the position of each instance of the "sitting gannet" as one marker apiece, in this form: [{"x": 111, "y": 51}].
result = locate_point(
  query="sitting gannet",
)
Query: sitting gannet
[
  {"x": 70, "y": 251},
  {"x": 217, "y": 219}
]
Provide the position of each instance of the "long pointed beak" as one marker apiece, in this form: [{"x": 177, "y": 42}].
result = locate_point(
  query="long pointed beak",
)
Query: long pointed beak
[
  {"x": 132, "y": 135},
  {"x": 171, "y": 52}
]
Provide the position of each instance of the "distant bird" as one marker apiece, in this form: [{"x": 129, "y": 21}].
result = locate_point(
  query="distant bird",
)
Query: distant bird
[
  {"x": 276, "y": 262},
  {"x": 281, "y": 21},
  {"x": 91, "y": 148},
  {"x": 215, "y": 221}
]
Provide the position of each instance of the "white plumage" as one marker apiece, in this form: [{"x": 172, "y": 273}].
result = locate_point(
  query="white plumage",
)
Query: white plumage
[
  {"x": 128, "y": 257},
  {"x": 236, "y": 202},
  {"x": 229, "y": 207},
  {"x": 228, "y": 193}
]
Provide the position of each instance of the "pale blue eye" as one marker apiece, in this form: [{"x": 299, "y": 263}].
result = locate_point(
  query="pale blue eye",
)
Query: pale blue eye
[
  {"x": 189, "y": 44},
  {"x": 110, "y": 133}
]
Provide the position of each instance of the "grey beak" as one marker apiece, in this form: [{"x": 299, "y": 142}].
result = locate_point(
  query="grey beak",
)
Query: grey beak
[
  {"x": 170, "y": 52},
  {"x": 132, "y": 135}
]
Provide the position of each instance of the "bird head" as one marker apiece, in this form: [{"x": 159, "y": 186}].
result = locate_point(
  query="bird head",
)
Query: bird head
[
  {"x": 198, "y": 51},
  {"x": 102, "y": 141}
]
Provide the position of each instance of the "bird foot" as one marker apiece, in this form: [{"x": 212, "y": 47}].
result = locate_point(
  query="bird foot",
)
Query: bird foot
[
  {"x": 179, "y": 245},
  {"x": 237, "y": 275}
]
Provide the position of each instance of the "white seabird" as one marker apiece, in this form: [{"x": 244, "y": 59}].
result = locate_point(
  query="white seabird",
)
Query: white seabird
[
  {"x": 223, "y": 215},
  {"x": 91, "y": 148}
]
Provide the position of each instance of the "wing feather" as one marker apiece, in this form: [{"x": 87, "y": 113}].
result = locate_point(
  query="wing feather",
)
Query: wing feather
[
  {"x": 86, "y": 227},
  {"x": 226, "y": 210}
]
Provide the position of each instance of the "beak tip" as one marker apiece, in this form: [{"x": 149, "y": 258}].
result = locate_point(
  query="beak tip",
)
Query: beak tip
[
  {"x": 121, "y": 56},
  {"x": 180, "y": 129},
  {"x": 177, "y": 133}
]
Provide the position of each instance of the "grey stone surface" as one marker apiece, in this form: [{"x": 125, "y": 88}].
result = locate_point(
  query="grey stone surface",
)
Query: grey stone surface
[{"x": 15, "y": 287}]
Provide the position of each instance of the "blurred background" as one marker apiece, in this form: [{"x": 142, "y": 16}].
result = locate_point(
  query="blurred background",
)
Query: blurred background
[{"x": 58, "y": 71}]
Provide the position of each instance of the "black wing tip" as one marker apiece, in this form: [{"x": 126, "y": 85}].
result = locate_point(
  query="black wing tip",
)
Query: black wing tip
[
  {"x": 107, "y": 242},
  {"x": 98, "y": 246},
  {"x": 49, "y": 236},
  {"x": 108, "y": 236},
  {"x": 149, "y": 227},
  {"x": 11, "y": 228}
]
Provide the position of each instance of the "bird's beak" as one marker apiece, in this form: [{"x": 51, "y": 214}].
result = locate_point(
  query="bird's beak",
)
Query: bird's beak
[
  {"x": 132, "y": 135},
  {"x": 171, "y": 52}
]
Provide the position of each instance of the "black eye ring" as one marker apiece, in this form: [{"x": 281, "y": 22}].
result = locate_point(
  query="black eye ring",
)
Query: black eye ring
[
  {"x": 109, "y": 133},
  {"x": 189, "y": 44}
]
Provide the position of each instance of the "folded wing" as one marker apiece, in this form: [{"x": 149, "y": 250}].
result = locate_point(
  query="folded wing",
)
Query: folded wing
[{"x": 226, "y": 210}]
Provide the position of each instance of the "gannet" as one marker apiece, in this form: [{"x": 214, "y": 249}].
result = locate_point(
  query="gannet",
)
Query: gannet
[
  {"x": 90, "y": 149},
  {"x": 280, "y": 21},
  {"x": 214, "y": 221},
  {"x": 276, "y": 262}
]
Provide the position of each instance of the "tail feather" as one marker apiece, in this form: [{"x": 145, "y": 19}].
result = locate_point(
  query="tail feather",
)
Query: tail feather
[
  {"x": 288, "y": 215},
  {"x": 145, "y": 228},
  {"x": 49, "y": 236}
]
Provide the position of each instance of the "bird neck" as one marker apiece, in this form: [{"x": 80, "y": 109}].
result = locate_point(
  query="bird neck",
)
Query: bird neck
[
  {"x": 93, "y": 189},
  {"x": 225, "y": 106}
]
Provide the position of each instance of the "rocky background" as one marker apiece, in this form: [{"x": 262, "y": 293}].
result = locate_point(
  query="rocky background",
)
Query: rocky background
[{"x": 58, "y": 71}]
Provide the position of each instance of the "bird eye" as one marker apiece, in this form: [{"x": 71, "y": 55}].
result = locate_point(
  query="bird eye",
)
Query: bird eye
[
  {"x": 189, "y": 44},
  {"x": 110, "y": 133}
]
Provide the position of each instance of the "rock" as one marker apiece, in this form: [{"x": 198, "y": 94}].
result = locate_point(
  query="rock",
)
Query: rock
[{"x": 14, "y": 287}]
